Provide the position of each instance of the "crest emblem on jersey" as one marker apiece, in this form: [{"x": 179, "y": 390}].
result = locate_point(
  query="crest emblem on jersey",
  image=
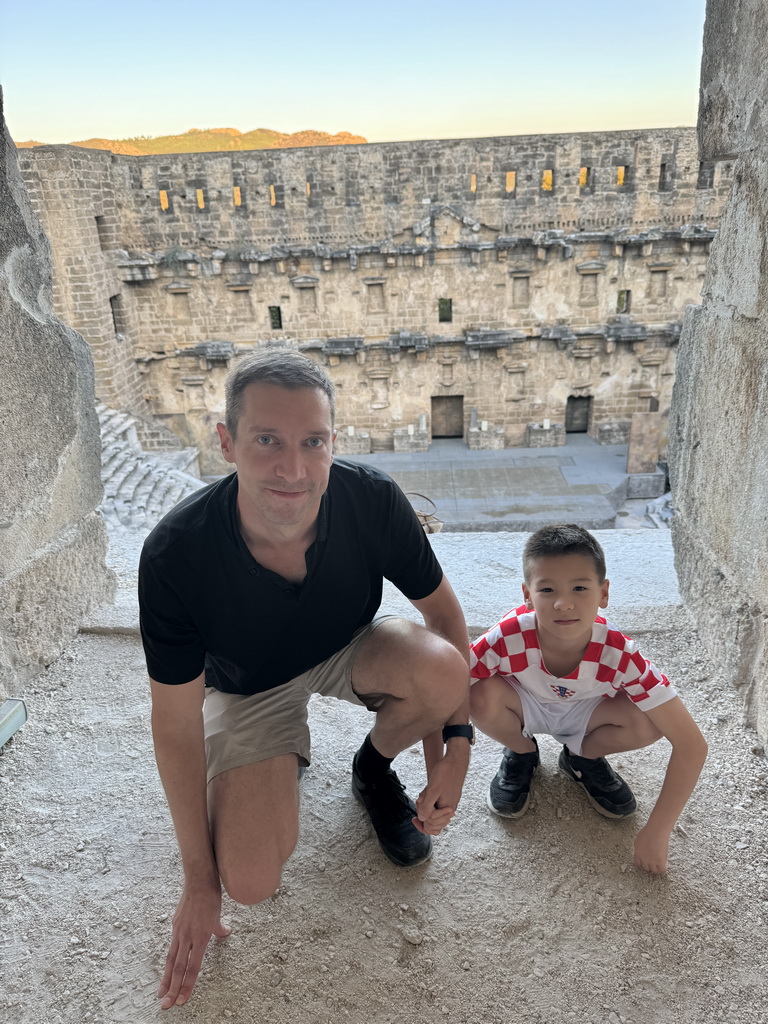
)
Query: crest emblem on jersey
[{"x": 562, "y": 692}]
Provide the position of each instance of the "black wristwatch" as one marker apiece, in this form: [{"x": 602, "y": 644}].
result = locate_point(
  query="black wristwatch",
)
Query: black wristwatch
[{"x": 467, "y": 731}]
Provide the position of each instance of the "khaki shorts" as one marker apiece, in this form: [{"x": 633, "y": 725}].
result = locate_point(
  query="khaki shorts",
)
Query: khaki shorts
[{"x": 244, "y": 729}]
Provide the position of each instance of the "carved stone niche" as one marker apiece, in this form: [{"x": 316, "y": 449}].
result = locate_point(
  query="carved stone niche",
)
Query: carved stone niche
[{"x": 379, "y": 381}]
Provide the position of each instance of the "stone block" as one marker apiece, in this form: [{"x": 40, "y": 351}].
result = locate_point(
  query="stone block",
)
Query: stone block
[
  {"x": 479, "y": 440},
  {"x": 539, "y": 436},
  {"x": 614, "y": 432},
  {"x": 358, "y": 443},
  {"x": 404, "y": 441},
  {"x": 646, "y": 485},
  {"x": 644, "y": 442}
]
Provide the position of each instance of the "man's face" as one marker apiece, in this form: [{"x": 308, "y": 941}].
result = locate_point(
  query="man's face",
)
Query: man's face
[
  {"x": 565, "y": 593},
  {"x": 283, "y": 453}
]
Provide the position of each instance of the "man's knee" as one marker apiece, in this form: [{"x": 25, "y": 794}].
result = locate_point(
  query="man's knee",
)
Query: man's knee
[
  {"x": 400, "y": 651},
  {"x": 252, "y": 882},
  {"x": 444, "y": 673}
]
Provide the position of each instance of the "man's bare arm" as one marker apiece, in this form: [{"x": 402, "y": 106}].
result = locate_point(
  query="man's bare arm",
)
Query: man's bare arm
[
  {"x": 177, "y": 728},
  {"x": 446, "y": 767}
]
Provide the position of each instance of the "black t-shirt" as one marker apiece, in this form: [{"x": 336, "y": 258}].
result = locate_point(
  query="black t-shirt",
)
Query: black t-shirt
[{"x": 206, "y": 603}]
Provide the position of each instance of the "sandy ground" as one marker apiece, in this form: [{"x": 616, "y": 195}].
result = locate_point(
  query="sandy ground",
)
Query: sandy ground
[{"x": 541, "y": 920}]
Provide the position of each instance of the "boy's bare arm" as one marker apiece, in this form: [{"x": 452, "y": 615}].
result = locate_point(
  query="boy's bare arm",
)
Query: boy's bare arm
[{"x": 689, "y": 751}]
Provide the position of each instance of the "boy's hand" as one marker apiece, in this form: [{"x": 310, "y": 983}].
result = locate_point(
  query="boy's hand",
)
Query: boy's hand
[{"x": 652, "y": 850}]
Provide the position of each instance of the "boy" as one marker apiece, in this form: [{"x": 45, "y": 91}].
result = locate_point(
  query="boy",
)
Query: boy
[{"x": 555, "y": 666}]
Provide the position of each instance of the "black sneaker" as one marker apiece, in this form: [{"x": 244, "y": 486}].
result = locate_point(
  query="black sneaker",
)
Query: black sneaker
[
  {"x": 391, "y": 810},
  {"x": 606, "y": 790},
  {"x": 510, "y": 791}
]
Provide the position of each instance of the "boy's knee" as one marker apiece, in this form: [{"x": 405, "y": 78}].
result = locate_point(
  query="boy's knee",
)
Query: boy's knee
[{"x": 479, "y": 699}]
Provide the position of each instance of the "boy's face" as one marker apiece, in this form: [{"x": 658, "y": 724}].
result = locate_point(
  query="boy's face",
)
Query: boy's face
[{"x": 565, "y": 593}]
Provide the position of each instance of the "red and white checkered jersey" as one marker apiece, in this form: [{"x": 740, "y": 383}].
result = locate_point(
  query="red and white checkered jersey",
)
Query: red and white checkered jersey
[{"x": 610, "y": 663}]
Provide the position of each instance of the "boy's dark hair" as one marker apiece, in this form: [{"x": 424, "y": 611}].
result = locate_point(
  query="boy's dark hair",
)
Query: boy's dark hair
[
  {"x": 280, "y": 366},
  {"x": 562, "y": 539}
]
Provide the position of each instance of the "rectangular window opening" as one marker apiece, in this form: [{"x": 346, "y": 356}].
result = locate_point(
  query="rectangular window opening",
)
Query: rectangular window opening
[
  {"x": 101, "y": 230},
  {"x": 445, "y": 311},
  {"x": 621, "y": 175},
  {"x": 118, "y": 316},
  {"x": 237, "y": 196},
  {"x": 272, "y": 196},
  {"x": 275, "y": 318},
  {"x": 706, "y": 178},
  {"x": 624, "y": 301},
  {"x": 547, "y": 180},
  {"x": 164, "y": 204},
  {"x": 309, "y": 190},
  {"x": 585, "y": 173},
  {"x": 510, "y": 181},
  {"x": 200, "y": 197},
  {"x": 473, "y": 183},
  {"x": 665, "y": 178}
]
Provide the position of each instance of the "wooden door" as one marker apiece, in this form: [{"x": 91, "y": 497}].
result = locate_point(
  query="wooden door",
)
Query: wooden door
[
  {"x": 577, "y": 415},
  {"x": 448, "y": 416}
]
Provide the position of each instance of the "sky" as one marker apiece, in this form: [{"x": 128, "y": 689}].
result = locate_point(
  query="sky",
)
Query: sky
[{"x": 398, "y": 70}]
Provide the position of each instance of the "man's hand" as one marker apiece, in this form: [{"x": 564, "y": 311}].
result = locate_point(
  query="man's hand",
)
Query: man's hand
[
  {"x": 438, "y": 801},
  {"x": 197, "y": 917},
  {"x": 652, "y": 850}
]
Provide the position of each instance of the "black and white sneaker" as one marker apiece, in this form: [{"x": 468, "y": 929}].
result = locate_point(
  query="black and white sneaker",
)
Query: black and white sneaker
[
  {"x": 606, "y": 790},
  {"x": 391, "y": 811},
  {"x": 510, "y": 791}
]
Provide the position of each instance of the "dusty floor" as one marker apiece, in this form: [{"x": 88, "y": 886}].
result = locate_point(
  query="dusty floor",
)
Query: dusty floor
[{"x": 543, "y": 920}]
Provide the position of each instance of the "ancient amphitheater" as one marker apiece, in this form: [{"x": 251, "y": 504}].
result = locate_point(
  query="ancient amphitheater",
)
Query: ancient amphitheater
[{"x": 503, "y": 292}]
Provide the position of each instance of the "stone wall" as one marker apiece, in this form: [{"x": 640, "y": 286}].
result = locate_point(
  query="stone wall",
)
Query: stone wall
[
  {"x": 719, "y": 423},
  {"x": 52, "y": 541},
  {"x": 74, "y": 198},
  {"x": 511, "y": 275}
]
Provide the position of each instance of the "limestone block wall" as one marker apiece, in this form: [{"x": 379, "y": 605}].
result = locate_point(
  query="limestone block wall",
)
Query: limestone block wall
[
  {"x": 511, "y": 274},
  {"x": 335, "y": 196},
  {"x": 74, "y": 198},
  {"x": 52, "y": 540},
  {"x": 719, "y": 422}
]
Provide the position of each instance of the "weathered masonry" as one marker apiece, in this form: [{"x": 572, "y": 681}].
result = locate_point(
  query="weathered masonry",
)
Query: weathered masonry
[{"x": 505, "y": 290}]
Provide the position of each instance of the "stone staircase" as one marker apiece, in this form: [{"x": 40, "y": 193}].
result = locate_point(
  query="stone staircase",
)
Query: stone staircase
[{"x": 139, "y": 488}]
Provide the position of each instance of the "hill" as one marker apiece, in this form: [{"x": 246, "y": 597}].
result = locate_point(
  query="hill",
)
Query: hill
[{"x": 213, "y": 140}]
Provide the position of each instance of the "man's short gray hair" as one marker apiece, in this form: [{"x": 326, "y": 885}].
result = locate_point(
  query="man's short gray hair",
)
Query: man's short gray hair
[{"x": 282, "y": 367}]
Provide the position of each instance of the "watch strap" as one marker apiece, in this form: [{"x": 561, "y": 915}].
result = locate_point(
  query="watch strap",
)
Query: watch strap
[{"x": 467, "y": 731}]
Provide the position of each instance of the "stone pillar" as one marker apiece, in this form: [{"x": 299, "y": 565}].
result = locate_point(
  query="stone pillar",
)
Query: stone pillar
[
  {"x": 52, "y": 539},
  {"x": 718, "y": 446}
]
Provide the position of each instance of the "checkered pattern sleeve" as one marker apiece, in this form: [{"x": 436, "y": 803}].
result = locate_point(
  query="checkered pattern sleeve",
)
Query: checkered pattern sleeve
[
  {"x": 643, "y": 683},
  {"x": 501, "y": 650}
]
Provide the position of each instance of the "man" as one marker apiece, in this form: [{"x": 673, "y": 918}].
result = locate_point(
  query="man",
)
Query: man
[{"x": 256, "y": 592}]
